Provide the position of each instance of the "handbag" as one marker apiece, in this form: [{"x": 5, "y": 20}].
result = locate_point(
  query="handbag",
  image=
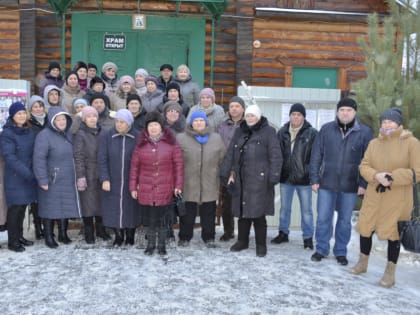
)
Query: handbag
[{"x": 410, "y": 230}]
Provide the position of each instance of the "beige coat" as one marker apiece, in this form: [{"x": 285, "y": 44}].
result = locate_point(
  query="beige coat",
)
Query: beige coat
[
  {"x": 201, "y": 165},
  {"x": 396, "y": 154}
]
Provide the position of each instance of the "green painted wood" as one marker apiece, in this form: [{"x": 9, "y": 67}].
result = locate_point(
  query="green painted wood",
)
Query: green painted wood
[
  {"x": 164, "y": 40},
  {"x": 317, "y": 78}
]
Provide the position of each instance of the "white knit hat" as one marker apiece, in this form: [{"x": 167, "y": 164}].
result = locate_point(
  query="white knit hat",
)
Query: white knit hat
[{"x": 255, "y": 110}]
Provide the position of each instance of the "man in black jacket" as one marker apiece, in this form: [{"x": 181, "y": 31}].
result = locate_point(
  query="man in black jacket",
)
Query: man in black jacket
[{"x": 296, "y": 138}]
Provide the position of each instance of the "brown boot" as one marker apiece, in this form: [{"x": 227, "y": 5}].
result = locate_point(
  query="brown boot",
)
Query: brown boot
[
  {"x": 361, "y": 266},
  {"x": 388, "y": 279}
]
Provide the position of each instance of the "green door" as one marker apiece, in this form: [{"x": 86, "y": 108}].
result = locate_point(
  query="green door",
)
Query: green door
[{"x": 164, "y": 40}]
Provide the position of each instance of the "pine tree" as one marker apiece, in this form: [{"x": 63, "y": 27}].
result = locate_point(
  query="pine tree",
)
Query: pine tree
[{"x": 390, "y": 82}]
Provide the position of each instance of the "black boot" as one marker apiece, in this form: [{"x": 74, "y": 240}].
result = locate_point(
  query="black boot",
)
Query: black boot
[
  {"x": 62, "y": 231},
  {"x": 162, "y": 241},
  {"x": 49, "y": 233},
  {"x": 260, "y": 230},
  {"x": 119, "y": 237},
  {"x": 129, "y": 236},
  {"x": 100, "y": 229},
  {"x": 88, "y": 230},
  {"x": 244, "y": 226},
  {"x": 151, "y": 241},
  {"x": 14, "y": 228},
  {"x": 39, "y": 231}
]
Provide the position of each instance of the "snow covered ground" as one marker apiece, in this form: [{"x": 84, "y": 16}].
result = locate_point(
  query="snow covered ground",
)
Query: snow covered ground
[{"x": 74, "y": 279}]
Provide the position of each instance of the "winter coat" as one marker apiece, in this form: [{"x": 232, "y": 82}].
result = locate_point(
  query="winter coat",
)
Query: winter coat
[
  {"x": 295, "y": 169},
  {"x": 111, "y": 85},
  {"x": 190, "y": 91},
  {"x": 215, "y": 115},
  {"x": 201, "y": 165},
  {"x": 178, "y": 126},
  {"x": 398, "y": 154},
  {"x": 69, "y": 94},
  {"x": 50, "y": 80},
  {"x": 151, "y": 101},
  {"x": 156, "y": 169},
  {"x": 119, "y": 209},
  {"x": 254, "y": 159},
  {"x": 54, "y": 166},
  {"x": 227, "y": 129},
  {"x": 140, "y": 120},
  {"x": 162, "y": 84},
  {"x": 141, "y": 90},
  {"x": 36, "y": 124},
  {"x": 3, "y": 205},
  {"x": 119, "y": 99},
  {"x": 17, "y": 146},
  {"x": 85, "y": 150},
  {"x": 335, "y": 159}
]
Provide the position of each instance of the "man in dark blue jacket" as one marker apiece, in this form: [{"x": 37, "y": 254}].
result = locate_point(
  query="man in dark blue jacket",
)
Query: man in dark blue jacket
[
  {"x": 296, "y": 138},
  {"x": 334, "y": 174}
]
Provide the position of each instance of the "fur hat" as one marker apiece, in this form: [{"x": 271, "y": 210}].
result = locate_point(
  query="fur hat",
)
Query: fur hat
[
  {"x": 108, "y": 65},
  {"x": 95, "y": 80},
  {"x": 127, "y": 79},
  {"x": 132, "y": 97},
  {"x": 154, "y": 117},
  {"x": 198, "y": 114},
  {"x": 173, "y": 86},
  {"x": 255, "y": 110},
  {"x": 125, "y": 115},
  {"x": 298, "y": 108},
  {"x": 208, "y": 92},
  {"x": 237, "y": 99},
  {"x": 141, "y": 72},
  {"x": 393, "y": 114},
  {"x": 347, "y": 102},
  {"x": 172, "y": 105},
  {"x": 16, "y": 107},
  {"x": 54, "y": 65},
  {"x": 153, "y": 79},
  {"x": 166, "y": 66},
  {"x": 87, "y": 111}
]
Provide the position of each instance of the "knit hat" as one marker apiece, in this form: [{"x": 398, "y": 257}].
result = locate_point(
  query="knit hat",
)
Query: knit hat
[
  {"x": 101, "y": 96},
  {"x": 92, "y": 65},
  {"x": 95, "y": 80},
  {"x": 127, "y": 79},
  {"x": 237, "y": 99},
  {"x": 198, "y": 114},
  {"x": 298, "y": 108},
  {"x": 78, "y": 101},
  {"x": 172, "y": 105},
  {"x": 68, "y": 74},
  {"x": 54, "y": 65},
  {"x": 141, "y": 72},
  {"x": 132, "y": 97},
  {"x": 16, "y": 107},
  {"x": 173, "y": 86},
  {"x": 108, "y": 65},
  {"x": 166, "y": 66},
  {"x": 347, "y": 102},
  {"x": 153, "y": 79},
  {"x": 209, "y": 92},
  {"x": 393, "y": 114},
  {"x": 87, "y": 111},
  {"x": 255, "y": 110},
  {"x": 36, "y": 98},
  {"x": 125, "y": 115},
  {"x": 154, "y": 117}
]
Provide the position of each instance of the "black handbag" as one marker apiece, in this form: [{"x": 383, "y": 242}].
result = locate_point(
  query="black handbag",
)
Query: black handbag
[{"x": 410, "y": 230}]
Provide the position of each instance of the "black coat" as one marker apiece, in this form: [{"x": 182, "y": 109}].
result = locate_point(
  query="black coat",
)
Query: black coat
[
  {"x": 119, "y": 209},
  {"x": 54, "y": 166},
  {"x": 295, "y": 169},
  {"x": 85, "y": 150},
  {"x": 254, "y": 157}
]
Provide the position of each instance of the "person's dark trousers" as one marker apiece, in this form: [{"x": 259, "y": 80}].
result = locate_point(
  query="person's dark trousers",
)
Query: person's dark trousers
[
  {"x": 129, "y": 236},
  {"x": 62, "y": 231},
  {"x": 227, "y": 216},
  {"x": 89, "y": 230},
  {"x": 39, "y": 232},
  {"x": 207, "y": 220},
  {"x": 15, "y": 217},
  {"x": 186, "y": 226},
  {"x": 260, "y": 230}
]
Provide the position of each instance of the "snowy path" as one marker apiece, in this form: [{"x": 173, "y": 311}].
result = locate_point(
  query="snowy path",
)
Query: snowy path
[{"x": 197, "y": 280}]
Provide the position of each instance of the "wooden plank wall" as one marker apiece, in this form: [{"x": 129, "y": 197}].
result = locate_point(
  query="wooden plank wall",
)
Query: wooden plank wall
[{"x": 9, "y": 44}]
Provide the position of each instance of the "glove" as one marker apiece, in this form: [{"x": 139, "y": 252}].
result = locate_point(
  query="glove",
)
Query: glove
[
  {"x": 81, "y": 184},
  {"x": 381, "y": 188}
]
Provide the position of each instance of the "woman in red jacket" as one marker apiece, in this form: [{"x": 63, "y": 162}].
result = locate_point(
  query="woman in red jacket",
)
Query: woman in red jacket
[{"x": 156, "y": 175}]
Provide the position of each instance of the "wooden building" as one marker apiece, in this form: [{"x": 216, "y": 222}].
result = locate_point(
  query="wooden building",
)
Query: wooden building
[{"x": 302, "y": 43}]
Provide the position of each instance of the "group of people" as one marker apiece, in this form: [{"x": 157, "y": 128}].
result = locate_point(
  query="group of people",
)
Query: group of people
[{"x": 119, "y": 153}]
